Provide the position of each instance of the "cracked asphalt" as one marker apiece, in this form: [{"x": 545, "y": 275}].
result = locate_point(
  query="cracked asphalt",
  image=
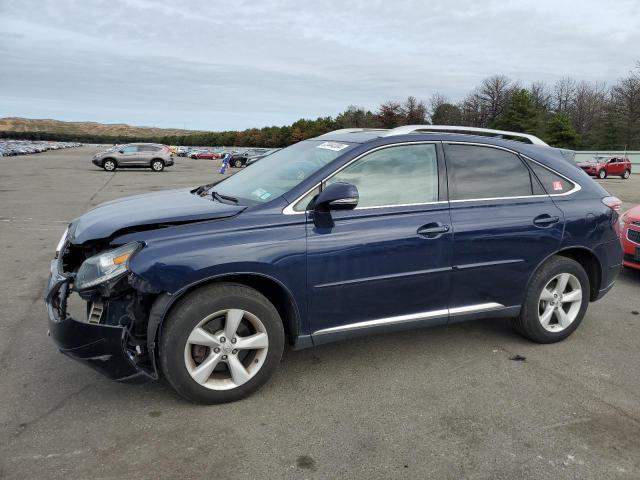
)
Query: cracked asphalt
[{"x": 442, "y": 403}]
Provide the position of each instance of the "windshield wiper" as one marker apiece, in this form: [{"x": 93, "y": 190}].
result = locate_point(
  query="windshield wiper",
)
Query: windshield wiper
[
  {"x": 221, "y": 198},
  {"x": 202, "y": 189}
]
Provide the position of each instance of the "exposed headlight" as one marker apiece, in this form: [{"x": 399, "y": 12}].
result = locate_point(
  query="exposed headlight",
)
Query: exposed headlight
[
  {"x": 105, "y": 266},
  {"x": 61, "y": 242}
]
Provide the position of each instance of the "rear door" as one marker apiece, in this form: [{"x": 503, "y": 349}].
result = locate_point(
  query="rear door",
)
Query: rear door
[
  {"x": 386, "y": 264},
  {"x": 146, "y": 153},
  {"x": 504, "y": 225}
]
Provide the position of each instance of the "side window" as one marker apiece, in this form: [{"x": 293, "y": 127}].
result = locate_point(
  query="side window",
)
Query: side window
[
  {"x": 130, "y": 149},
  {"x": 552, "y": 183},
  {"x": 483, "y": 172},
  {"x": 401, "y": 175}
]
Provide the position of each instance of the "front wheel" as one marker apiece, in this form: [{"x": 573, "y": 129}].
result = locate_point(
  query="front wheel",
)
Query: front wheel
[
  {"x": 221, "y": 343},
  {"x": 555, "y": 302},
  {"x": 237, "y": 163},
  {"x": 626, "y": 174},
  {"x": 109, "y": 165},
  {"x": 602, "y": 174},
  {"x": 157, "y": 165}
]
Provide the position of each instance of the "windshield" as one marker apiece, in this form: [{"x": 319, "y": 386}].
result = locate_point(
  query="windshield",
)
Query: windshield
[{"x": 279, "y": 172}]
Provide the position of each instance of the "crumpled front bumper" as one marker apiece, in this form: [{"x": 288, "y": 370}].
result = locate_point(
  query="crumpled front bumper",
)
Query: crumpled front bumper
[{"x": 102, "y": 347}]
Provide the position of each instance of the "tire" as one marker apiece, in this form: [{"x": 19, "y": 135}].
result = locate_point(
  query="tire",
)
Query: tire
[
  {"x": 626, "y": 174},
  {"x": 531, "y": 321},
  {"x": 185, "y": 362},
  {"x": 602, "y": 174},
  {"x": 109, "y": 164},
  {"x": 157, "y": 165},
  {"x": 237, "y": 163}
]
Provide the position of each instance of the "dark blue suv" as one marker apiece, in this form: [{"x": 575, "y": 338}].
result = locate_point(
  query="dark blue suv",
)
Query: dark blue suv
[{"x": 351, "y": 233}]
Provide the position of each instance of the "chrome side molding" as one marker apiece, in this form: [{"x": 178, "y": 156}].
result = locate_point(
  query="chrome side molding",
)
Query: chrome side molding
[{"x": 482, "y": 307}]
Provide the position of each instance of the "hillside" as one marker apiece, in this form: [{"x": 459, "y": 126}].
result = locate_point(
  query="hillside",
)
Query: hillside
[{"x": 14, "y": 124}]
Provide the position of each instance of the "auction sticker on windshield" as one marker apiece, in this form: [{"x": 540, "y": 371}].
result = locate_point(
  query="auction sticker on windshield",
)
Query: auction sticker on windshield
[
  {"x": 261, "y": 193},
  {"x": 333, "y": 146}
]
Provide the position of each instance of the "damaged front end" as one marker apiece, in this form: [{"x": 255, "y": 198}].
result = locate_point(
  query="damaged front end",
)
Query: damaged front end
[{"x": 112, "y": 336}]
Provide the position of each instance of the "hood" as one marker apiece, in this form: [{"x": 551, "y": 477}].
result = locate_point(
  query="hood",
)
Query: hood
[
  {"x": 589, "y": 164},
  {"x": 147, "y": 210},
  {"x": 633, "y": 214}
]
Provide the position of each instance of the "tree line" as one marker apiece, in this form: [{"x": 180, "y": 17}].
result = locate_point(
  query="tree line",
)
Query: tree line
[{"x": 569, "y": 113}]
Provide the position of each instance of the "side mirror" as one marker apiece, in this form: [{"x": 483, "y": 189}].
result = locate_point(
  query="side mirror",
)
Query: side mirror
[
  {"x": 121, "y": 151},
  {"x": 336, "y": 196}
]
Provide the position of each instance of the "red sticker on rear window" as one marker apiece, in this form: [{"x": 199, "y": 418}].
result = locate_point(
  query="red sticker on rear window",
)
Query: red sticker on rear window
[{"x": 557, "y": 185}]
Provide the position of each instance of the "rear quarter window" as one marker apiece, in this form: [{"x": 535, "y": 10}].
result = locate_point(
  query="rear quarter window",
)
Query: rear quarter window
[{"x": 553, "y": 183}]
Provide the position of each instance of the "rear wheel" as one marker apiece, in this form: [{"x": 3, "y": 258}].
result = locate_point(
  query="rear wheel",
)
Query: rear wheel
[
  {"x": 602, "y": 174},
  {"x": 237, "y": 163},
  {"x": 626, "y": 174},
  {"x": 221, "y": 343},
  {"x": 157, "y": 165},
  {"x": 109, "y": 165},
  {"x": 556, "y": 301}
]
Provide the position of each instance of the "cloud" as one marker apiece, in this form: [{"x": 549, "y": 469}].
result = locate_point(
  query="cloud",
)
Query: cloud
[{"x": 226, "y": 65}]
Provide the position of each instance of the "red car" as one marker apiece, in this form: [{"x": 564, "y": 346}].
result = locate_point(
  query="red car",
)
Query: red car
[
  {"x": 208, "y": 155},
  {"x": 630, "y": 236},
  {"x": 602, "y": 167}
]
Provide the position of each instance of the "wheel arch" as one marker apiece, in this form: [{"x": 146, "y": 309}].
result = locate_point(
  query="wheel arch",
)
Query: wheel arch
[
  {"x": 109, "y": 158},
  {"x": 275, "y": 291},
  {"x": 157, "y": 158},
  {"x": 587, "y": 259}
]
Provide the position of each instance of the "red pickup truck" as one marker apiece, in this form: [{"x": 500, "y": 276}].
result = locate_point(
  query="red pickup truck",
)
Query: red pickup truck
[{"x": 602, "y": 167}]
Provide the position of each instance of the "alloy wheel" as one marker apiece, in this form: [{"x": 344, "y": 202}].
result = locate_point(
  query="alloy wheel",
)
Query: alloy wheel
[
  {"x": 226, "y": 349},
  {"x": 560, "y": 302},
  {"x": 109, "y": 165}
]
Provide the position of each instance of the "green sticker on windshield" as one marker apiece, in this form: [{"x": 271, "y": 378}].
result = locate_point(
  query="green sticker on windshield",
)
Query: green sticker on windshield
[{"x": 333, "y": 146}]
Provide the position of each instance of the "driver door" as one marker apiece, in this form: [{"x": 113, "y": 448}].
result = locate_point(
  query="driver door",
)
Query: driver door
[
  {"x": 129, "y": 155},
  {"x": 386, "y": 264}
]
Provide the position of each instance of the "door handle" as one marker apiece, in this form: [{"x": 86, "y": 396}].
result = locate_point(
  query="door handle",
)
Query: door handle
[
  {"x": 433, "y": 230},
  {"x": 545, "y": 220}
]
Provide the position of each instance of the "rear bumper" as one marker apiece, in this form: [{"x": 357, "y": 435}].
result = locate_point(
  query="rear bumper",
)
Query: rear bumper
[
  {"x": 101, "y": 347},
  {"x": 610, "y": 256}
]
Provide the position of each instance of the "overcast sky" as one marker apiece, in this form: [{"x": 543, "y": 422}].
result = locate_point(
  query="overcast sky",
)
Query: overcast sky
[{"x": 235, "y": 64}]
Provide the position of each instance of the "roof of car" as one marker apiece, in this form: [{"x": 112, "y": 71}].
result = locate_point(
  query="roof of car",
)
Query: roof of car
[{"x": 363, "y": 135}]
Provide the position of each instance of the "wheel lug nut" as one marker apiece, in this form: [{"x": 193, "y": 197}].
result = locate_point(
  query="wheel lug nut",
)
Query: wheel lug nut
[
  {"x": 222, "y": 339},
  {"x": 235, "y": 350},
  {"x": 224, "y": 357},
  {"x": 216, "y": 350},
  {"x": 234, "y": 340}
]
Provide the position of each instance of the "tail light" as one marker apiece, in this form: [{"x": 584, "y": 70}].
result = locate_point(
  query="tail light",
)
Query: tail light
[{"x": 614, "y": 203}]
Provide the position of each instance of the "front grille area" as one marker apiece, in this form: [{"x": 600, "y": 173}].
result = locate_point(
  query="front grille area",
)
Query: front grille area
[
  {"x": 633, "y": 235},
  {"x": 631, "y": 258}
]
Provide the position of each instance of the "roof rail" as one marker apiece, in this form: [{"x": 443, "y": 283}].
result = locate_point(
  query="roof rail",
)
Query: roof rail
[
  {"x": 355, "y": 130},
  {"x": 456, "y": 129}
]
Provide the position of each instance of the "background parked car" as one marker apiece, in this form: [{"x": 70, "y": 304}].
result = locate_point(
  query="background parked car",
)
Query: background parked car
[
  {"x": 603, "y": 167},
  {"x": 254, "y": 158},
  {"x": 630, "y": 236},
  {"x": 135, "y": 155},
  {"x": 10, "y": 148},
  {"x": 208, "y": 155}
]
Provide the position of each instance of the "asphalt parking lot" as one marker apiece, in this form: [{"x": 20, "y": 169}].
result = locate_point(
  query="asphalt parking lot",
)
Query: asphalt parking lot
[{"x": 438, "y": 403}]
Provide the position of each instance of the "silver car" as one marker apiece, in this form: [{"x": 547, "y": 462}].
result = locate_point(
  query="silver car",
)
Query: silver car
[{"x": 135, "y": 155}]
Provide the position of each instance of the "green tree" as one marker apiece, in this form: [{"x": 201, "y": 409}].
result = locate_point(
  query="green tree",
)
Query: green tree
[
  {"x": 560, "y": 131},
  {"x": 520, "y": 114},
  {"x": 446, "y": 114}
]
